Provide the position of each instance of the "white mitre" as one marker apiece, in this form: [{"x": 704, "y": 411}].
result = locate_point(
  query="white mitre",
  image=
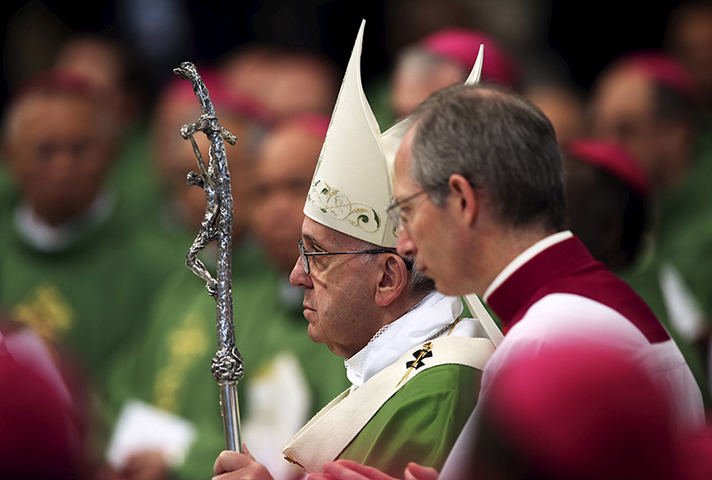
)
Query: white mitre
[{"x": 353, "y": 182}]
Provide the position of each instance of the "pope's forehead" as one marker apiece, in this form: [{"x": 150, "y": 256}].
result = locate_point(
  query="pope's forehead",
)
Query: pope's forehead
[{"x": 326, "y": 236}]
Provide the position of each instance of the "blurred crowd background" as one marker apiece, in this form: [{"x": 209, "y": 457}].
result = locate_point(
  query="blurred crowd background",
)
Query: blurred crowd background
[
  {"x": 159, "y": 34},
  {"x": 97, "y": 306}
]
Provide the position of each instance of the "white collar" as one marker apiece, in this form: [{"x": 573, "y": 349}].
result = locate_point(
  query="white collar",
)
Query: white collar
[
  {"x": 49, "y": 238},
  {"x": 524, "y": 257},
  {"x": 431, "y": 316}
]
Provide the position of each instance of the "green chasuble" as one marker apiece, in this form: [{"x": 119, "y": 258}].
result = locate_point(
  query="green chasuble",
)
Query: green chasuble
[
  {"x": 134, "y": 176},
  {"x": 170, "y": 367},
  {"x": 92, "y": 296},
  {"x": 683, "y": 229},
  {"x": 682, "y": 235},
  {"x": 420, "y": 423},
  {"x": 410, "y": 409}
]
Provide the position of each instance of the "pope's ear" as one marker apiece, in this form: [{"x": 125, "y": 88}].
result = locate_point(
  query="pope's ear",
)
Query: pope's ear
[
  {"x": 394, "y": 278},
  {"x": 462, "y": 199}
]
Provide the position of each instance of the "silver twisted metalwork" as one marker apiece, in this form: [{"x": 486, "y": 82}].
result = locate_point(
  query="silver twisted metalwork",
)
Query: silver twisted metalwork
[{"x": 214, "y": 178}]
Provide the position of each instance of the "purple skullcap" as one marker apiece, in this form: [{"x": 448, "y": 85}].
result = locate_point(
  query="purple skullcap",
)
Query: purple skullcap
[
  {"x": 462, "y": 45},
  {"x": 661, "y": 69},
  {"x": 613, "y": 158}
]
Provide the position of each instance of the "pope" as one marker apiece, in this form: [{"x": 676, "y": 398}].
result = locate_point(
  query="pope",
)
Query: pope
[{"x": 413, "y": 361}]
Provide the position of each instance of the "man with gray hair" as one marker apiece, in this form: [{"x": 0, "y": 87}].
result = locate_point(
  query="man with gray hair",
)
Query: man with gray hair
[
  {"x": 492, "y": 223},
  {"x": 413, "y": 362}
]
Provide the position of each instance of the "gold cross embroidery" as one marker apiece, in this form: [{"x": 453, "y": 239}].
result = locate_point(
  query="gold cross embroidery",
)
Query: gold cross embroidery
[
  {"x": 46, "y": 311},
  {"x": 416, "y": 363}
]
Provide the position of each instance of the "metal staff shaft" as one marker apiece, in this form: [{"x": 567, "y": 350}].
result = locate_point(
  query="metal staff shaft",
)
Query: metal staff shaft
[
  {"x": 214, "y": 178},
  {"x": 231, "y": 417}
]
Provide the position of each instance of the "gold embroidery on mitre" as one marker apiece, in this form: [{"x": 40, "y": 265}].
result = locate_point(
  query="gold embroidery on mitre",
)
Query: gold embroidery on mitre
[
  {"x": 47, "y": 312},
  {"x": 334, "y": 203},
  {"x": 185, "y": 344}
]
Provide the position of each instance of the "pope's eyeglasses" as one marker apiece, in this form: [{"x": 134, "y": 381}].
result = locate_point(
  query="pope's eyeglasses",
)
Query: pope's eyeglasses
[{"x": 304, "y": 255}]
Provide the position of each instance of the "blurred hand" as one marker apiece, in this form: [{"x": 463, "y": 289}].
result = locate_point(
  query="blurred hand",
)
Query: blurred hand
[
  {"x": 350, "y": 470},
  {"x": 418, "y": 472},
  {"x": 239, "y": 466},
  {"x": 146, "y": 465}
]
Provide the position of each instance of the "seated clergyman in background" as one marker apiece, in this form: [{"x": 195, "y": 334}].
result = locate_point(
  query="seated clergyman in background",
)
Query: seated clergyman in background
[
  {"x": 438, "y": 60},
  {"x": 183, "y": 206},
  {"x": 649, "y": 102},
  {"x": 608, "y": 205},
  {"x": 607, "y": 199},
  {"x": 411, "y": 359},
  {"x": 73, "y": 269}
]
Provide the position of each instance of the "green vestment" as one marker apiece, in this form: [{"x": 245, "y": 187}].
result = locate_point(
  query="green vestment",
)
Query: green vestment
[
  {"x": 683, "y": 226},
  {"x": 420, "y": 422},
  {"x": 91, "y": 296},
  {"x": 682, "y": 233}
]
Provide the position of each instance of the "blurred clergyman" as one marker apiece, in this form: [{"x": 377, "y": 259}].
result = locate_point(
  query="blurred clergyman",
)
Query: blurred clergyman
[
  {"x": 538, "y": 407},
  {"x": 688, "y": 37},
  {"x": 73, "y": 269},
  {"x": 650, "y": 104},
  {"x": 609, "y": 207},
  {"x": 286, "y": 82},
  {"x": 607, "y": 199},
  {"x": 438, "y": 60}
]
